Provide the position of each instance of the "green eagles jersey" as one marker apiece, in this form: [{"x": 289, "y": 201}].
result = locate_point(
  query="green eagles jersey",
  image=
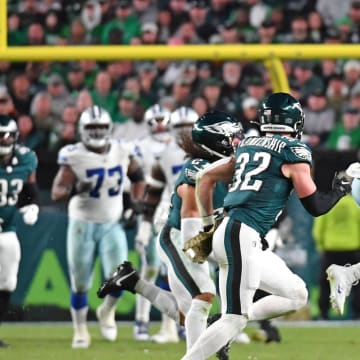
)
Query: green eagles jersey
[
  {"x": 259, "y": 191},
  {"x": 188, "y": 176},
  {"x": 12, "y": 179}
]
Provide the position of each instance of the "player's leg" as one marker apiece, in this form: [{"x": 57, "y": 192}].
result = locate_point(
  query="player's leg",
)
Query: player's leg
[
  {"x": 238, "y": 279},
  {"x": 149, "y": 272},
  {"x": 113, "y": 248},
  {"x": 169, "y": 327},
  {"x": 80, "y": 256},
  {"x": 288, "y": 290},
  {"x": 9, "y": 266}
]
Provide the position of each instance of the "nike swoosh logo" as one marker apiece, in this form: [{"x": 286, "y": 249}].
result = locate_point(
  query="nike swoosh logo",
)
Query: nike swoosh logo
[{"x": 118, "y": 281}]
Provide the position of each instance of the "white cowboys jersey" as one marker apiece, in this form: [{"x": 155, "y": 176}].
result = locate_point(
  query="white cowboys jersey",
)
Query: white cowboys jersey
[
  {"x": 148, "y": 151},
  {"x": 105, "y": 172}
]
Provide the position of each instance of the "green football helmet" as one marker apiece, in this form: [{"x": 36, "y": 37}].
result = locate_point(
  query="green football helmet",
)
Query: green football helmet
[
  {"x": 282, "y": 113},
  {"x": 214, "y": 132},
  {"x": 9, "y": 134}
]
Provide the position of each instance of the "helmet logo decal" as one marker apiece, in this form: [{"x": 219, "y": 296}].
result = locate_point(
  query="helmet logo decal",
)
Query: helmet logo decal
[{"x": 224, "y": 127}]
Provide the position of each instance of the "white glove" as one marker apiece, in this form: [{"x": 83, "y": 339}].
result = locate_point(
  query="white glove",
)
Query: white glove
[
  {"x": 30, "y": 214},
  {"x": 353, "y": 170},
  {"x": 143, "y": 236}
]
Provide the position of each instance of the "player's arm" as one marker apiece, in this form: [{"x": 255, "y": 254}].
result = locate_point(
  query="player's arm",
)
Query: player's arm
[
  {"x": 221, "y": 170},
  {"x": 28, "y": 202},
  {"x": 136, "y": 177},
  {"x": 155, "y": 185},
  {"x": 63, "y": 183},
  {"x": 314, "y": 201}
]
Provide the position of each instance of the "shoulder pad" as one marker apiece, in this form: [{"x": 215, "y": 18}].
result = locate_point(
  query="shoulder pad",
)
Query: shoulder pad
[
  {"x": 27, "y": 157},
  {"x": 298, "y": 151},
  {"x": 192, "y": 167},
  {"x": 67, "y": 153}
]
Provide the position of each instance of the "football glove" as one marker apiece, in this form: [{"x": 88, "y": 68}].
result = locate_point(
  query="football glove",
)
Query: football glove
[
  {"x": 353, "y": 170},
  {"x": 341, "y": 184},
  {"x": 199, "y": 247},
  {"x": 30, "y": 214}
]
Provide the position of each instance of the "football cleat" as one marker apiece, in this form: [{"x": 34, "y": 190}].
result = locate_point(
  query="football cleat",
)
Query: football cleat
[
  {"x": 168, "y": 331},
  {"x": 242, "y": 338},
  {"x": 163, "y": 337},
  {"x": 3, "y": 344},
  {"x": 124, "y": 278},
  {"x": 272, "y": 333},
  {"x": 81, "y": 338},
  {"x": 341, "y": 280},
  {"x": 107, "y": 322},
  {"x": 141, "y": 331},
  {"x": 181, "y": 332},
  {"x": 223, "y": 353}
]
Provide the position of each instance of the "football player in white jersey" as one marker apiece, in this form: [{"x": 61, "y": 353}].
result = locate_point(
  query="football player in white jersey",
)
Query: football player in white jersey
[
  {"x": 157, "y": 119},
  {"x": 167, "y": 166},
  {"x": 17, "y": 190},
  {"x": 91, "y": 175},
  {"x": 342, "y": 278}
]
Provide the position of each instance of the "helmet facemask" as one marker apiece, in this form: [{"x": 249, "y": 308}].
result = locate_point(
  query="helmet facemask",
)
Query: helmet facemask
[
  {"x": 96, "y": 135},
  {"x": 8, "y": 136}
]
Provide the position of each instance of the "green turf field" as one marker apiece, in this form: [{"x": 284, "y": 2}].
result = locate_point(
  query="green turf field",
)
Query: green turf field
[{"x": 28, "y": 342}]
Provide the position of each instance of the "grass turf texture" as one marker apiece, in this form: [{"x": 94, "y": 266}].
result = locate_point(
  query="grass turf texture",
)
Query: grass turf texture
[{"x": 52, "y": 342}]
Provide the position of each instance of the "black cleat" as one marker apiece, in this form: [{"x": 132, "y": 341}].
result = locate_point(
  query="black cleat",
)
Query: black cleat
[
  {"x": 3, "y": 344},
  {"x": 271, "y": 331},
  {"x": 124, "y": 278},
  {"x": 223, "y": 353}
]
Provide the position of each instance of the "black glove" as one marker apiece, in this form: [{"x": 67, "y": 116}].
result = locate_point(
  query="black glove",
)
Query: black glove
[{"x": 341, "y": 185}]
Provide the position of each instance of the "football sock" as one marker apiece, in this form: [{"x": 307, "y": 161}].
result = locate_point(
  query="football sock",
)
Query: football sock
[
  {"x": 216, "y": 336},
  {"x": 4, "y": 303},
  {"x": 196, "y": 320},
  {"x": 143, "y": 307},
  {"x": 163, "y": 300},
  {"x": 79, "y": 317},
  {"x": 110, "y": 301}
]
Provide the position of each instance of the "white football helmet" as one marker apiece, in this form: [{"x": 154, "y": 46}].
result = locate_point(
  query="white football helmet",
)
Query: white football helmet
[
  {"x": 95, "y": 126},
  {"x": 157, "y": 118},
  {"x": 9, "y": 134},
  {"x": 181, "y": 121}
]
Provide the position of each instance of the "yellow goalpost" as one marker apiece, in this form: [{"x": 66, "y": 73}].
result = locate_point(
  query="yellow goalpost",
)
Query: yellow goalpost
[{"x": 271, "y": 55}]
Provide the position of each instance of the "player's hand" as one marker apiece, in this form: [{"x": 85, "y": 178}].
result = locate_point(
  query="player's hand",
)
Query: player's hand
[
  {"x": 30, "y": 214},
  {"x": 143, "y": 236},
  {"x": 341, "y": 184},
  {"x": 353, "y": 170},
  {"x": 199, "y": 247}
]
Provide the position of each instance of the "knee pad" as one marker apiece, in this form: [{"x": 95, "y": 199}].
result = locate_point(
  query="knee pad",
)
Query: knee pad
[{"x": 300, "y": 294}]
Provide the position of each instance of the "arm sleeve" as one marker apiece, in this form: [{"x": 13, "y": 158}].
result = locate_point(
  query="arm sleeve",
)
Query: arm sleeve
[
  {"x": 29, "y": 195},
  {"x": 319, "y": 203}
]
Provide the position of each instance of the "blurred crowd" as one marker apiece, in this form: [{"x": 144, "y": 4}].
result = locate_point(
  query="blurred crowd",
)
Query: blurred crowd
[{"x": 47, "y": 97}]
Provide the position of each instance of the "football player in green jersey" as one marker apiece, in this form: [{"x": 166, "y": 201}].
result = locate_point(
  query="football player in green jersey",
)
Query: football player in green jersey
[
  {"x": 263, "y": 173},
  {"x": 192, "y": 289},
  {"x": 17, "y": 190}
]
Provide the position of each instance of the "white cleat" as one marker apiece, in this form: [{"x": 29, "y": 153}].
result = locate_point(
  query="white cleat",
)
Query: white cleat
[
  {"x": 141, "y": 331},
  {"x": 81, "y": 339},
  {"x": 107, "y": 322},
  {"x": 341, "y": 280},
  {"x": 164, "y": 338},
  {"x": 242, "y": 338}
]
